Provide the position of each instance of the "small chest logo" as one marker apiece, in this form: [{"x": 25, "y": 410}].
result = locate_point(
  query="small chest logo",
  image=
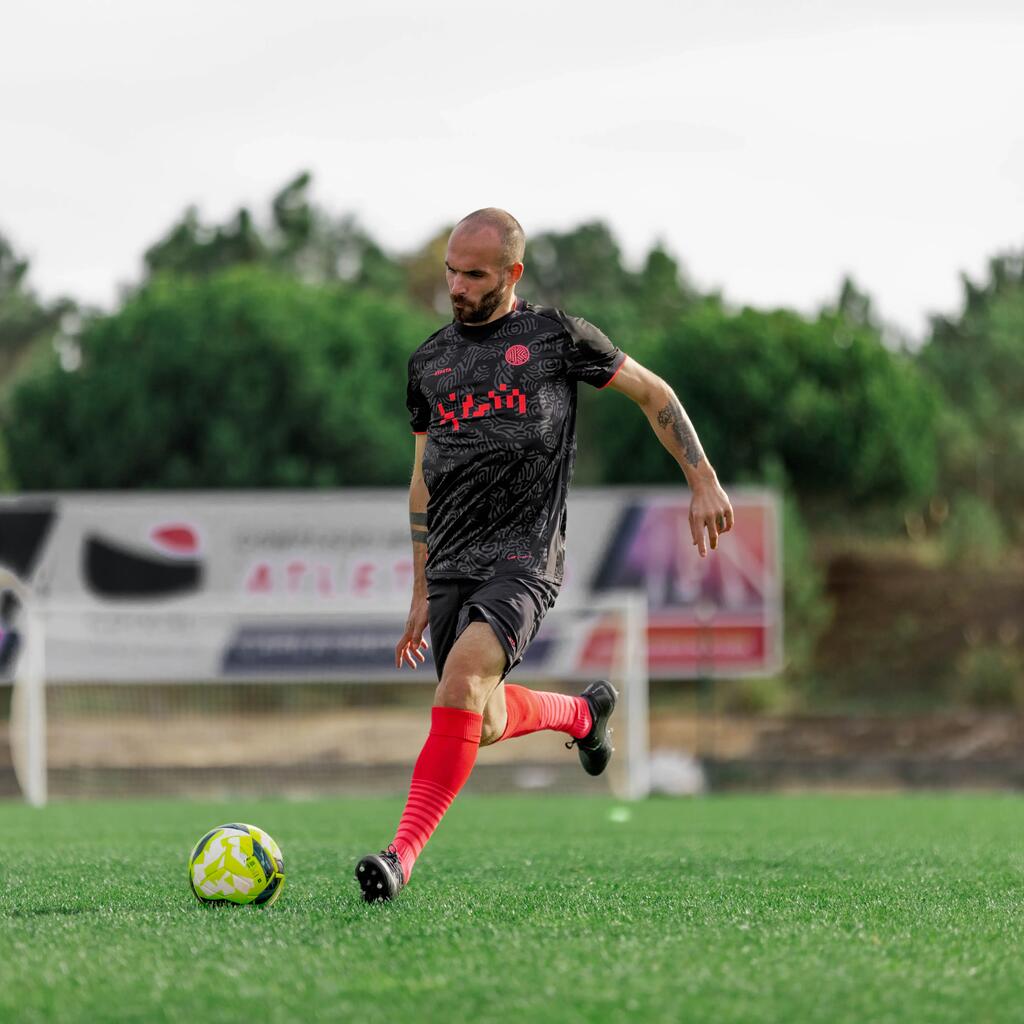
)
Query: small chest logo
[{"x": 517, "y": 355}]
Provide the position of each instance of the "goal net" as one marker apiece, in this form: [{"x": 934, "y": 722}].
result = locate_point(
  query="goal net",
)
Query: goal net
[{"x": 285, "y": 700}]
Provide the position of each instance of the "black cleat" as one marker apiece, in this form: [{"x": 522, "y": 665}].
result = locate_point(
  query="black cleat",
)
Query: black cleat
[
  {"x": 380, "y": 876},
  {"x": 595, "y": 749}
]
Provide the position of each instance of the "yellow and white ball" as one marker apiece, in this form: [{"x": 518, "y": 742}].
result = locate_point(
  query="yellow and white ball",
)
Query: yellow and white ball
[{"x": 236, "y": 864}]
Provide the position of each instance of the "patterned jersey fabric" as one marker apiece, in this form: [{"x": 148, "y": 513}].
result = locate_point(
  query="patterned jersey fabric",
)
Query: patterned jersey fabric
[{"x": 498, "y": 404}]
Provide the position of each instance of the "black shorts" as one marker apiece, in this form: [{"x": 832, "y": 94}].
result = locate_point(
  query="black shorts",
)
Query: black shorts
[{"x": 513, "y": 606}]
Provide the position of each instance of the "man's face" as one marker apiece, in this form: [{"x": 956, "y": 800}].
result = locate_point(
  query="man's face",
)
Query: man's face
[{"x": 478, "y": 280}]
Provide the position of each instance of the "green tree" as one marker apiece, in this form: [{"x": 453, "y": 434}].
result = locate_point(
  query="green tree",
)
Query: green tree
[
  {"x": 191, "y": 247},
  {"x": 563, "y": 266},
  {"x": 6, "y": 479},
  {"x": 575, "y": 268},
  {"x": 977, "y": 360},
  {"x": 660, "y": 291},
  {"x": 26, "y": 322},
  {"x": 855, "y": 306},
  {"x": 425, "y": 274},
  {"x": 843, "y": 415},
  {"x": 244, "y": 378},
  {"x": 298, "y": 238}
]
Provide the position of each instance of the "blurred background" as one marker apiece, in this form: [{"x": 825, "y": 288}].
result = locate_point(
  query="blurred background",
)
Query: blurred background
[{"x": 222, "y": 233}]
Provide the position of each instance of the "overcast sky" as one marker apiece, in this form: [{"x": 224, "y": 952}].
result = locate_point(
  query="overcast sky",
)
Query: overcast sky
[{"x": 772, "y": 146}]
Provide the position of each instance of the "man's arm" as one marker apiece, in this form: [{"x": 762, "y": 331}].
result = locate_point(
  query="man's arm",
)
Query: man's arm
[
  {"x": 412, "y": 645},
  {"x": 710, "y": 508}
]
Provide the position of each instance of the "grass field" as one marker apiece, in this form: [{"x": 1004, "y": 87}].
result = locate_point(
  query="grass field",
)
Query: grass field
[{"x": 740, "y": 909}]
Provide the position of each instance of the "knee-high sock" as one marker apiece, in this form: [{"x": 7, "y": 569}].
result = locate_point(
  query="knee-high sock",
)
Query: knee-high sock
[
  {"x": 441, "y": 770},
  {"x": 531, "y": 711}
]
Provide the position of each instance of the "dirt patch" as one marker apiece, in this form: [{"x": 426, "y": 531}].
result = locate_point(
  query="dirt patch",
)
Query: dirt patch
[{"x": 374, "y": 736}]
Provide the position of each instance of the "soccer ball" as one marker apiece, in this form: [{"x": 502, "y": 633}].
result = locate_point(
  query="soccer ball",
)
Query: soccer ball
[{"x": 236, "y": 864}]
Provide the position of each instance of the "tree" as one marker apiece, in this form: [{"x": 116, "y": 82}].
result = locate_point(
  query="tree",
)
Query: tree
[
  {"x": 191, "y": 247},
  {"x": 244, "y": 378},
  {"x": 660, "y": 291},
  {"x": 855, "y": 306},
  {"x": 977, "y": 360},
  {"x": 563, "y": 266},
  {"x": 577, "y": 267},
  {"x": 843, "y": 415},
  {"x": 26, "y": 322},
  {"x": 424, "y": 274},
  {"x": 298, "y": 238}
]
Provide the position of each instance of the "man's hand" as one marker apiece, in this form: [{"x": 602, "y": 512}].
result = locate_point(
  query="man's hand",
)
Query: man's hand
[
  {"x": 711, "y": 510},
  {"x": 412, "y": 645}
]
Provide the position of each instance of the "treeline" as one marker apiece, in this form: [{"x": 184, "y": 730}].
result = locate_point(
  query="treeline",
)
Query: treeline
[{"x": 270, "y": 352}]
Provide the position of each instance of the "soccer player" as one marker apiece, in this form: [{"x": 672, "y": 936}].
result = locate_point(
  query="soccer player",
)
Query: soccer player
[{"x": 492, "y": 400}]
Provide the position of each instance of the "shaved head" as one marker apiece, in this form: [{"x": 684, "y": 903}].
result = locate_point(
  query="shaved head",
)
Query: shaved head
[
  {"x": 483, "y": 263},
  {"x": 510, "y": 234}
]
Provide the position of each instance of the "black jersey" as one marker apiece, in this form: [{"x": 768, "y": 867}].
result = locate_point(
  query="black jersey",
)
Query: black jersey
[{"x": 498, "y": 404}]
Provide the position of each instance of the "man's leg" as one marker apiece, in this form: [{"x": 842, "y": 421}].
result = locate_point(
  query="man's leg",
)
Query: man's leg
[
  {"x": 515, "y": 609},
  {"x": 471, "y": 672},
  {"x": 517, "y": 711},
  {"x": 495, "y": 717}
]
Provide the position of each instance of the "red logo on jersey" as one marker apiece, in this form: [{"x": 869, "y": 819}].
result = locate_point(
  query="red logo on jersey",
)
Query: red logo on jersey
[
  {"x": 446, "y": 369},
  {"x": 517, "y": 355},
  {"x": 514, "y": 399}
]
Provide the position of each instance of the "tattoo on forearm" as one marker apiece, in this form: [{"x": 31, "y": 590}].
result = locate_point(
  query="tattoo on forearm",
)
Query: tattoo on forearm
[
  {"x": 674, "y": 418},
  {"x": 418, "y": 521}
]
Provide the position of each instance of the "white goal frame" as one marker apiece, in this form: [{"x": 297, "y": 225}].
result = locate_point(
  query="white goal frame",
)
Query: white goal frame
[
  {"x": 28, "y": 721},
  {"x": 28, "y": 696}
]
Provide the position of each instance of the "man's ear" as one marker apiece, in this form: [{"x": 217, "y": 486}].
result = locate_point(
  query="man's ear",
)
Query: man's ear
[{"x": 515, "y": 272}]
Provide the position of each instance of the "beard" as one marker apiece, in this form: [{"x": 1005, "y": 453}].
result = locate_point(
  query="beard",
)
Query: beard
[{"x": 479, "y": 312}]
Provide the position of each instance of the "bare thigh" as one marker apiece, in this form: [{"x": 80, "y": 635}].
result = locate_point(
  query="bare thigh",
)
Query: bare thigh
[{"x": 473, "y": 670}]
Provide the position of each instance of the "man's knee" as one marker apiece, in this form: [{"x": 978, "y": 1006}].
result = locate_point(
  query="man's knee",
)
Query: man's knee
[
  {"x": 462, "y": 690},
  {"x": 472, "y": 671}
]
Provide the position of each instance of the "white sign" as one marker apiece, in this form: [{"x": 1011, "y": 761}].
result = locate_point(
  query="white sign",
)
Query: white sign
[{"x": 181, "y": 585}]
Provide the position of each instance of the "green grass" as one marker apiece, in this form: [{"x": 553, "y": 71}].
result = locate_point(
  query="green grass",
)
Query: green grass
[{"x": 742, "y": 909}]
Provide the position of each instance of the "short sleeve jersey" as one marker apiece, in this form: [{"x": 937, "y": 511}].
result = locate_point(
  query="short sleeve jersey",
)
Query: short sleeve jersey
[{"x": 497, "y": 402}]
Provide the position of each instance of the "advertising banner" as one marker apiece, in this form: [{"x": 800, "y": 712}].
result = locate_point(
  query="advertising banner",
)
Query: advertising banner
[{"x": 211, "y": 585}]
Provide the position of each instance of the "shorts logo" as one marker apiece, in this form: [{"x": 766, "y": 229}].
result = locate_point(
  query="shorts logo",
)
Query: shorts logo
[{"x": 517, "y": 355}]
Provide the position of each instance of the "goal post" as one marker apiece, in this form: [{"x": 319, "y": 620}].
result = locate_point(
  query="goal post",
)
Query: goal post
[
  {"x": 289, "y": 699},
  {"x": 28, "y": 696}
]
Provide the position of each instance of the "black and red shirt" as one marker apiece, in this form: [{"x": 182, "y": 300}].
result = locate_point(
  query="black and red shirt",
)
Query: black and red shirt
[{"x": 497, "y": 402}]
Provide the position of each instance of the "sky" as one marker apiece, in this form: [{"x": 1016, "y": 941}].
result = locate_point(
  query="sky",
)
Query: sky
[{"x": 772, "y": 148}]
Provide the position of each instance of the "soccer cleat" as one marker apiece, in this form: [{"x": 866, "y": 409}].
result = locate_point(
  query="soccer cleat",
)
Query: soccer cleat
[
  {"x": 380, "y": 876},
  {"x": 595, "y": 749}
]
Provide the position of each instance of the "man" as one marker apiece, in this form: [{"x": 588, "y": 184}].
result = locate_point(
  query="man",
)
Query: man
[{"x": 492, "y": 399}]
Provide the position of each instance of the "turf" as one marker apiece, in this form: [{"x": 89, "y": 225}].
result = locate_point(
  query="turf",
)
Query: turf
[{"x": 741, "y": 909}]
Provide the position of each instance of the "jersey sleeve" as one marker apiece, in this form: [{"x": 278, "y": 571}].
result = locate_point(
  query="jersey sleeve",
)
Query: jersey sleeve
[
  {"x": 590, "y": 356},
  {"x": 416, "y": 403}
]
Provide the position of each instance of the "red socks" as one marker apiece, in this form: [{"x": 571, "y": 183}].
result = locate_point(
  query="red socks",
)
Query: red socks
[
  {"x": 530, "y": 711},
  {"x": 448, "y": 756},
  {"x": 441, "y": 770}
]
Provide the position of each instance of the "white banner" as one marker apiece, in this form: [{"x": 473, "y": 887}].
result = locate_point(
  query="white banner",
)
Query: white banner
[{"x": 182, "y": 585}]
